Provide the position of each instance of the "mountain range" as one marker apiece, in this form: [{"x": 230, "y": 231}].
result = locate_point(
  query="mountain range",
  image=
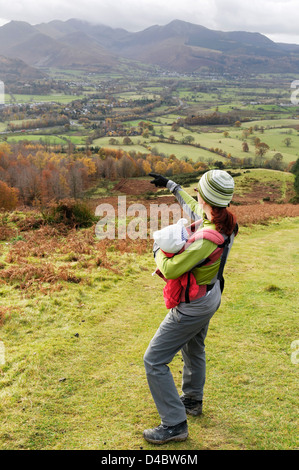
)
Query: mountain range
[{"x": 178, "y": 46}]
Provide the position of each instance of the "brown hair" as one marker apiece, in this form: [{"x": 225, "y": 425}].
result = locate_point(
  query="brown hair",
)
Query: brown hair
[{"x": 224, "y": 220}]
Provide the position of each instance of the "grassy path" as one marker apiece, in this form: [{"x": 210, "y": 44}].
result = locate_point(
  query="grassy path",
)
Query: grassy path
[{"x": 74, "y": 375}]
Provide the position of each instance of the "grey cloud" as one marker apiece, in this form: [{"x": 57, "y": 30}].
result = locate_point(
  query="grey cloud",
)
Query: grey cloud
[
  {"x": 273, "y": 17},
  {"x": 265, "y": 16}
]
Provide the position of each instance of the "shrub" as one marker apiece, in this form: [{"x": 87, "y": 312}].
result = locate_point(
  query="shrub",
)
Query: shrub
[{"x": 69, "y": 212}]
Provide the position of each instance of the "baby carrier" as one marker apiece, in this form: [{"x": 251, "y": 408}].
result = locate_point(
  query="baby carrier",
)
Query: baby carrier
[{"x": 185, "y": 287}]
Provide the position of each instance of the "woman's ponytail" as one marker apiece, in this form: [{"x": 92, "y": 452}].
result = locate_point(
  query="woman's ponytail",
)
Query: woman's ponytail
[{"x": 224, "y": 220}]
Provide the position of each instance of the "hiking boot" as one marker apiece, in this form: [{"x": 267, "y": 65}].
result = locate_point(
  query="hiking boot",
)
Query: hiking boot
[
  {"x": 193, "y": 407},
  {"x": 162, "y": 433}
]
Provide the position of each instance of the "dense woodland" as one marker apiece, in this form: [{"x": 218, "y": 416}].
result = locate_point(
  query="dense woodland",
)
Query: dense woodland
[{"x": 31, "y": 174}]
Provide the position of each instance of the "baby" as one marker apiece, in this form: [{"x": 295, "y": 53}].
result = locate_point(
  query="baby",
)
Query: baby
[{"x": 172, "y": 240}]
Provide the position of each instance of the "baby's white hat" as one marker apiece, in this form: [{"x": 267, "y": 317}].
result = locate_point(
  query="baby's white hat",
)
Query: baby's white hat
[{"x": 172, "y": 238}]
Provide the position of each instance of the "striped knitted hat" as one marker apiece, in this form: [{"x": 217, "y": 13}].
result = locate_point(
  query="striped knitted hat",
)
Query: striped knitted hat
[{"x": 216, "y": 187}]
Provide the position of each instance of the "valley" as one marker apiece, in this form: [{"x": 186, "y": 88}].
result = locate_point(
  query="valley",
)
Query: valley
[
  {"x": 98, "y": 112},
  {"x": 86, "y": 116}
]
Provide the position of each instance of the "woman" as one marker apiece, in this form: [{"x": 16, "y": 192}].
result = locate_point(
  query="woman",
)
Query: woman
[{"x": 185, "y": 326}]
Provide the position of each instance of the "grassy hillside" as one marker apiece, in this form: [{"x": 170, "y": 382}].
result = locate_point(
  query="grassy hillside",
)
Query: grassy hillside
[
  {"x": 259, "y": 185},
  {"x": 77, "y": 315}
]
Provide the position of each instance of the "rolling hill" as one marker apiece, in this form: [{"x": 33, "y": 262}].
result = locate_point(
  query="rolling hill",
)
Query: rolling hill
[
  {"x": 19, "y": 40},
  {"x": 178, "y": 46},
  {"x": 14, "y": 70},
  {"x": 185, "y": 47}
]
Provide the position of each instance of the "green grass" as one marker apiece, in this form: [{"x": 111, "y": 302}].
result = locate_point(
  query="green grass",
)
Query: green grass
[
  {"x": 179, "y": 150},
  {"x": 273, "y": 123},
  {"x": 74, "y": 375},
  {"x": 52, "y": 139},
  {"x": 215, "y": 138},
  {"x": 55, "y": 97},
  {"x": 268, "y": 178},
  {"x": 233, "y": 143},
  {"x": 126, "y": 96},
  {"x": 275, "y": 139}
]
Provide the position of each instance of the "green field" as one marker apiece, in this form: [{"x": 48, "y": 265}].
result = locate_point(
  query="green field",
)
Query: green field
[
  {"x": 54, "y": 140},
  {"x": 271, "y": 123},
  {"x": 49, "y": 139},
  {"x": 257, "y": 101},
  {"x": 134, "y": 96},
  {"x": 180, "y": 151},
  {"x": 232, "y": 144},
  {"x": 56, "y": 98}
]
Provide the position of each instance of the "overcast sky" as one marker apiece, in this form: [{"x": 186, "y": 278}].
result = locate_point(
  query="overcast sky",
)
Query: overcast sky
[{"x": 277, "y": 19}]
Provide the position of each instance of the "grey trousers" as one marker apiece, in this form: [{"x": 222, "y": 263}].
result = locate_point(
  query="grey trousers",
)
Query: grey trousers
[{"x": 184, "y": 328}]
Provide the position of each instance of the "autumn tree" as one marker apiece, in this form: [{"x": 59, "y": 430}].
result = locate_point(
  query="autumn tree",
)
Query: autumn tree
[
  {"x": 287, "y": 141},
  {"x": 261, "y": 149},
  {"x": 125, "y": 167},
  {"x": 276, "y": 163},
  {"x": 160, "y": 167},
  {"x": 109, "y": 168},
  {"x": 8, "y": 197},
  {"x": 188, "y": 139},
  {"x": 246, "y": 133},
  {"x": 127, "y": 141},
  {"x": 146, "y": 167},
  {"x": 245, "y": 147},
  {"x": 295, "y": 171},
  {"x": 5, "y": 152},
  {"x": 75, "y": 180}
]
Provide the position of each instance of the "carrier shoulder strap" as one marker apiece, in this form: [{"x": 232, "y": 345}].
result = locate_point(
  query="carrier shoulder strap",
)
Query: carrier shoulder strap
[
  {"x": 207, "y": 234},
  {"x": 224, "y": 258},
  {"x": 221, "y": 250},
  {"x": 211, "y": 235}
]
